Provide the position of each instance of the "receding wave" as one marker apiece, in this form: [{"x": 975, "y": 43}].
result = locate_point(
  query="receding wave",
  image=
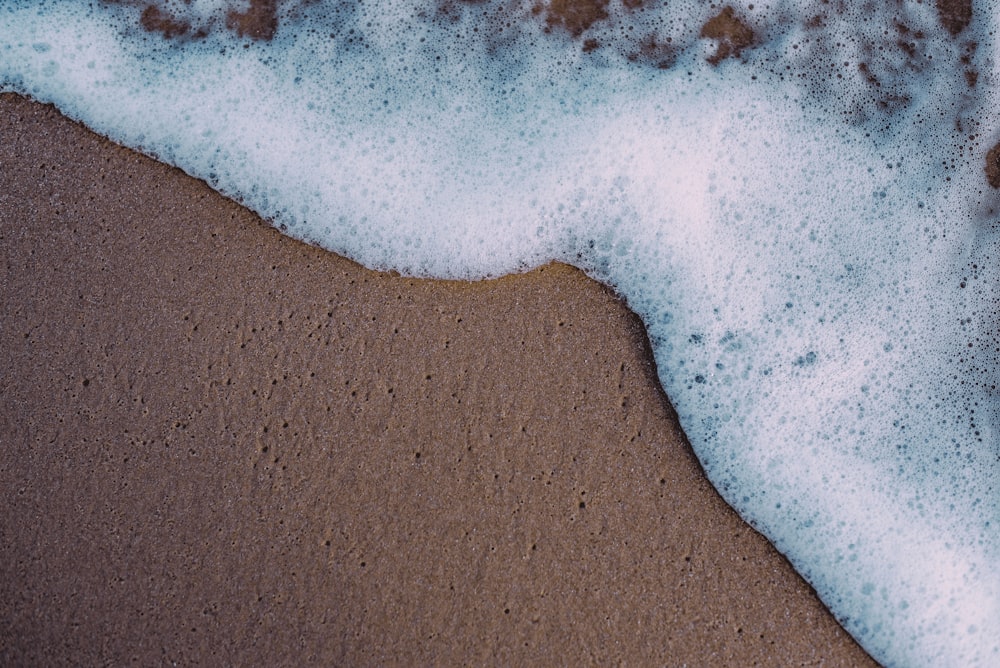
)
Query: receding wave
[{"x": 798, "y": 198}]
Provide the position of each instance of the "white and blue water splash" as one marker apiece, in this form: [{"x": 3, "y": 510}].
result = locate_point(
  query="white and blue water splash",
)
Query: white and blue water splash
[{"x": 806, "y": 228}]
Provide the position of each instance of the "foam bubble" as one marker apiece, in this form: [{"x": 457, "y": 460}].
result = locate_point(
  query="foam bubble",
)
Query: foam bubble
[{"x": 791, "y": 196}]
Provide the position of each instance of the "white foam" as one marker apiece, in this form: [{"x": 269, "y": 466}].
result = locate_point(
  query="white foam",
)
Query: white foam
[{"x": 798, "y": 239}]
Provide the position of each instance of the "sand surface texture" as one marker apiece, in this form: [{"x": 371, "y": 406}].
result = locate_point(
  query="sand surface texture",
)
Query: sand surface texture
[{"x": 222, "y": 446}]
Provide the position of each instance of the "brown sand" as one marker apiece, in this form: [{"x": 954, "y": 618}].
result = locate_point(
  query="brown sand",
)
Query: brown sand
[{"x": 222, "y": 446}]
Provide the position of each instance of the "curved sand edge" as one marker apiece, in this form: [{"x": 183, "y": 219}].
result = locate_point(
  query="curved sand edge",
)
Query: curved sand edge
[{"x": 224, "y": 446}]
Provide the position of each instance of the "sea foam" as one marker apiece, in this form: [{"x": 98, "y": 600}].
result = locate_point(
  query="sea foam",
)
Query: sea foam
[{"x": 791, "y": 195}]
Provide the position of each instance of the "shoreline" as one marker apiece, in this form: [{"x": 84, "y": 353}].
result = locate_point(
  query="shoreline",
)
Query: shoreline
[{"x": 224, "y": 445}]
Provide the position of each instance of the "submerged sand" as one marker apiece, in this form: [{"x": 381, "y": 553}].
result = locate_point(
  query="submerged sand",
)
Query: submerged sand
[{"x": 223, "y": 446}]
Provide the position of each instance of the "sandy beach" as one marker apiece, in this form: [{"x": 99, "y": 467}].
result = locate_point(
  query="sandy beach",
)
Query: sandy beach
[{"x": 222, "y": 446}]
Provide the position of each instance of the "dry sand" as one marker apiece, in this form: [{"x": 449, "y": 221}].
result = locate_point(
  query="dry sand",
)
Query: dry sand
[{"x": 222, "y": 446}]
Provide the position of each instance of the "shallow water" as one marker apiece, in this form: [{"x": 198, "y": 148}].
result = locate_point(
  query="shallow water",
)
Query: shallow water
[{"x": 794, "y": 197}]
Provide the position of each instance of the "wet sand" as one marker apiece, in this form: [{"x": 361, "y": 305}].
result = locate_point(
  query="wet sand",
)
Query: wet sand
[{"x": 222, "y": 446}]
